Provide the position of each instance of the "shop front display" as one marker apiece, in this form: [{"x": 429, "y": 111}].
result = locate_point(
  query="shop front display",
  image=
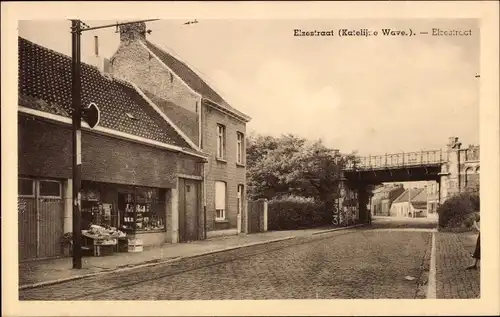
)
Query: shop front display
[
  {"x": 137, "y": 213},
  {"x": 100, "y": 239},
  {"x": 96, "y": 211},
  {"x": 141, "y": 210}
]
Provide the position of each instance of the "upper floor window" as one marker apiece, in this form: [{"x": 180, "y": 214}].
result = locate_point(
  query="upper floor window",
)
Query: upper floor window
[
  {"x": 221, "y": 141},
  {"x": 240, "y": 147}
]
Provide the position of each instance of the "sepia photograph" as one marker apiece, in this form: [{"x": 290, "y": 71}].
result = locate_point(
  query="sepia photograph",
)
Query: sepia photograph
[{"x": 198, "y": 158}]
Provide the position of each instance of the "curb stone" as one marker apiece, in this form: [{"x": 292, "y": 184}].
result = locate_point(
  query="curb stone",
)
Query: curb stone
[
  {"x": 170, "y": 260},
  {"x": 337, "y": 229}
]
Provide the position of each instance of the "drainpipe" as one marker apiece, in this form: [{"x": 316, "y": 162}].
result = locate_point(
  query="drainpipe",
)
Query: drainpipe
[
  {"x": 200, "y": 145},
  {"x": 204, "y": 202}
]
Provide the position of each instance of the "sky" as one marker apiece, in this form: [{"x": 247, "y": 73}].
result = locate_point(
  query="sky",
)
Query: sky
[{"x": 372, "y": 95}]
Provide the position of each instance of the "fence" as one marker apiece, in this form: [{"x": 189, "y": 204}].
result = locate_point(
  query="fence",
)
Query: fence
[
  {"x": 398, "y": 160},
  {"x": 257, "y": 216}
]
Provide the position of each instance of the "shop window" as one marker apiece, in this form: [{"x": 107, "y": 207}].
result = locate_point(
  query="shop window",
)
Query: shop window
[
  {"x": 142, "y": 209},
  {"x": 94, "y": 210},
  {"x": 49, "y": 188},
  {"x": 220, "y": 200},
  {"x": 26, "y": 187}
]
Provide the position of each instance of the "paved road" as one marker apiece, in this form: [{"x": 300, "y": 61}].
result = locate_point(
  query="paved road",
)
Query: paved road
[{"x": 356, "y": 263}]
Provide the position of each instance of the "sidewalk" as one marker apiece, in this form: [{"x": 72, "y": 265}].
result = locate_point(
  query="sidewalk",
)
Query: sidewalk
[
  {"x": 453, "y": 254},
  {"x": 44, "y": 272}
]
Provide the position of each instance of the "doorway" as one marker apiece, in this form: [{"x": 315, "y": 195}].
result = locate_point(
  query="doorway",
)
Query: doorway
[
  {"x": 40, "y": 218},
  {"x": 189, "y": 209}
]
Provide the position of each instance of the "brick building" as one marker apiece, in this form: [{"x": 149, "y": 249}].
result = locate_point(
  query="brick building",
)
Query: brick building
[
  {"x": 140, "y": 172},
  {"x": 210, "y": 122}
]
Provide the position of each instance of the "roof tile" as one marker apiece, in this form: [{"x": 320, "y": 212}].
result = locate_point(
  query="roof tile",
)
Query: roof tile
[
  {"x": 45, "y": 84},
  {"x": 190, "y": 77}
]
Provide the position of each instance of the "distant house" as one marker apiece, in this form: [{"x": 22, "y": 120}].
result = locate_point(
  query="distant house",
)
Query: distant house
[
  {"x": 383, "y": 198},
  {"x": 432, "y": 199},
  {"x": 411, "y": 203},
  {"x": 215, "y": 127}
]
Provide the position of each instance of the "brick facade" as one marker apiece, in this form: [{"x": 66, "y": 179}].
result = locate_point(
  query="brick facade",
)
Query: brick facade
[
  {"x": 133, "y": 61},
  {"x": 45, "y": 150},
  {"x": 227, "y": 171}
]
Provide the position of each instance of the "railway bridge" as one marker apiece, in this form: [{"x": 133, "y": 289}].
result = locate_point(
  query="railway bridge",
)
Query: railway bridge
[{"x": 454, "y": 169}]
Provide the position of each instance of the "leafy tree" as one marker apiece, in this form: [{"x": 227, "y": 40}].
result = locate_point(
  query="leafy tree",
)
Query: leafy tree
[
  {"x": 291, "y": 165},
  {"x": 272, "y": 165}
]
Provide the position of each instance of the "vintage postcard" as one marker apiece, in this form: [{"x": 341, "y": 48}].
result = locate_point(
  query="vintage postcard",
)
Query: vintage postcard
[{"x": 250, "y": 158}]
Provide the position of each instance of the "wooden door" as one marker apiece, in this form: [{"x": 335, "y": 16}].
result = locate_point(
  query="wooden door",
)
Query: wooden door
[
  {"x": 50, "y": 226},
  {"x": 191, "y": 209},
  {"x": 40, "y": 218},
  {"x": 27, "y": 228}
]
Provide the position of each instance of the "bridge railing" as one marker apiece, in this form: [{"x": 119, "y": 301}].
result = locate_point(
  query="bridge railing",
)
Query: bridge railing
[{"x": 398, "y": 160}]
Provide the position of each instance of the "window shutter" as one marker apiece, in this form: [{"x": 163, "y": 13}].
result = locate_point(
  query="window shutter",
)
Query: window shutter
[{"x": 220, "y": 195}]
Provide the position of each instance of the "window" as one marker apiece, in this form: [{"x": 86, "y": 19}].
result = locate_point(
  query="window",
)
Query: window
[
  {"x": 240, "y": 147},
  {"x": 50, "y": 189},
  {"x": 142, "y": 209},
  {"x": 220, "y": 201},
  {"x": 26, "y": 187},
  {"x": 471, "y": 178},
  {"x": 221, "y": 141}
]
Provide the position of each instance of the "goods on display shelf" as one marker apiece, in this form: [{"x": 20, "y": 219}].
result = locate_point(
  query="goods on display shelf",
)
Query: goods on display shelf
[
  {"x": 140, "y": 212},
  {"x": 101, "y": 233},
  {"x": 101, "y": 237}
]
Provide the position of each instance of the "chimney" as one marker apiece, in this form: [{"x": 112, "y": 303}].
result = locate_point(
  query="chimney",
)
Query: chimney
[
  {"x": 96, "y": 45},
  {"x": 101, "y": 63},
  {"x": 132, "y": 31}
]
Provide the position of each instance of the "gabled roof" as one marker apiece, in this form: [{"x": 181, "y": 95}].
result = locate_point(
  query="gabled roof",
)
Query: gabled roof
[
  {"x": 385, "y": 189},
  {"x": 186, "y": 120},
  {"x": 417, "y": 195},
  {"x": 45, "y": 85},
  {"x": 192, "y": 79}
]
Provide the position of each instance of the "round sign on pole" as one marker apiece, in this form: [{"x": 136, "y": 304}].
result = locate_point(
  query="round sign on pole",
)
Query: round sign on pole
[{"x": 91, "y": 114}]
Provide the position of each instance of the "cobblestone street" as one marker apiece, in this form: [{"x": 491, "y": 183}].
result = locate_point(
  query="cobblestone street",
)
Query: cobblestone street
[{"x": 355, "y": 263}]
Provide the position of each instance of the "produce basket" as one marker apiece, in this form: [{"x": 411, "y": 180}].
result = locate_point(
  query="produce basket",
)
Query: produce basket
[{"x": 135, "y": 245}]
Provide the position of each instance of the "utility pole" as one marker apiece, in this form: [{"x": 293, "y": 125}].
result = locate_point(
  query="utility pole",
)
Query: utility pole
[
  {"x": 91, "y": 114},
  {"x": 76, "y": 91}
]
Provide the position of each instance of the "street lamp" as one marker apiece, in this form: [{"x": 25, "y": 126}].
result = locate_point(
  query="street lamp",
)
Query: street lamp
[{"x": 91, "y": 116}]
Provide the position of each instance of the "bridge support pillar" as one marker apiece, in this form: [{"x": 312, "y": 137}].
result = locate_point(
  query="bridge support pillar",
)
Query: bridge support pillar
[
  {"x": 449, "y": 182},
  {"x": 363, "y": 200}
]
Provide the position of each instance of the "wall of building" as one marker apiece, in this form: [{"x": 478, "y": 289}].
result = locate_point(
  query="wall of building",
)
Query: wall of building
[
  {"x": 45, "y": 150},
  {"x": 133, "y": 62},
  {"x": 461, "y": 172},
  {"x": 104, "y": 159},
  {"x": 227, "y": 171}
]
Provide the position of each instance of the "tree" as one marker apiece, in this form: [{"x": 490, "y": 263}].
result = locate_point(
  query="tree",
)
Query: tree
[
  {"x": 291, "y": 165},
  {"x": 272, "y": 165}
]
